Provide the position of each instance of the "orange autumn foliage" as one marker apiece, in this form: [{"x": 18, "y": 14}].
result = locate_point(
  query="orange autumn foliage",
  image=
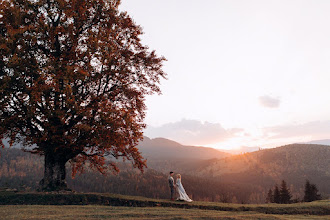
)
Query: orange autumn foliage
[{"x": 73, "y": 80}]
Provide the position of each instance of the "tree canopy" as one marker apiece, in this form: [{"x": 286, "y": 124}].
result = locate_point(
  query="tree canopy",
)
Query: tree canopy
[{"x": 73, "y": 77}]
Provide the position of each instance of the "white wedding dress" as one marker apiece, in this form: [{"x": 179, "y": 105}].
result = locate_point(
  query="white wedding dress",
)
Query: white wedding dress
[{"x": 182, "y": 193}]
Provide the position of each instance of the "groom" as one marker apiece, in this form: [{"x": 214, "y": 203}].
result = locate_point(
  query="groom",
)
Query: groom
[{"x": 171, "y": 184}]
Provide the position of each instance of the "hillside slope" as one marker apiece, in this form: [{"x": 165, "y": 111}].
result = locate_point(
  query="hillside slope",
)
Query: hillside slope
[{"x": 295, "y": 163}]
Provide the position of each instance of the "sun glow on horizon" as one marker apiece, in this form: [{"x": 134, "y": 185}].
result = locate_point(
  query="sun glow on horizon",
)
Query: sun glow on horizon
[{"x": 241, "y": 143}]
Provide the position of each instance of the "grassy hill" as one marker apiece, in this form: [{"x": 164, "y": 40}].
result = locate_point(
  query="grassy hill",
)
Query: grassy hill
[{"x": 119, "y": 206}]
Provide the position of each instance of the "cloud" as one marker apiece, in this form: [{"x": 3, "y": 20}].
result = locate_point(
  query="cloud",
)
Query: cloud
[
  {"x": 269, "y": 102},
  {"x": 315, "y": 129},
  {"x": 192, "y": 132}
]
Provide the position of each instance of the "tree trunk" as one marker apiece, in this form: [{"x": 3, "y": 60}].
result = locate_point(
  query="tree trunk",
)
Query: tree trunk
[{"x": 54, "y": 173}]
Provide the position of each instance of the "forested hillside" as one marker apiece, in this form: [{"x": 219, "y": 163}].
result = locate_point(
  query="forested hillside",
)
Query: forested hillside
[
  {"x": 242, "y": 178},
  {"x": 294, "y": 163},
  {"x": 23, "y": 171}
]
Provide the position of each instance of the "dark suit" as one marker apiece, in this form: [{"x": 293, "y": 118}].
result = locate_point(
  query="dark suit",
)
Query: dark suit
[{"x": 171, "y": 184}]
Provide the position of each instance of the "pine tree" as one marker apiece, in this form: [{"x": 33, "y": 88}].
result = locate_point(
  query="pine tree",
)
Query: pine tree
[
  {"x": 270, "y": 196},
  {"x": 307, "y": 192},
  {"x": 277, "y": 196},
  {"x": 311, "y": 192},
  {"x": 285, "y": 195}
]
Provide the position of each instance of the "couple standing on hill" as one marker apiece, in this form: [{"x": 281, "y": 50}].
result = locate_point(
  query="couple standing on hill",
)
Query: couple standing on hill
[{"x": 178, "y": 185}]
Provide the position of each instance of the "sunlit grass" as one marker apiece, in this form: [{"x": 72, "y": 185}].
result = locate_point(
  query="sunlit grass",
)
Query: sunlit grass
[
  {"x": 110, "y": 212},
  {"x": 112, "y": 206}
]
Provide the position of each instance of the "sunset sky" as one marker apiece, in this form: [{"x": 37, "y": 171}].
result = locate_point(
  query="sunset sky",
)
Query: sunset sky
[{"x": 240, "y": 72}]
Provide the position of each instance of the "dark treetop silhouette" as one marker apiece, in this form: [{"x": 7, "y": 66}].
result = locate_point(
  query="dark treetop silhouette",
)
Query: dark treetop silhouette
[{"x": 74, "y": 76}]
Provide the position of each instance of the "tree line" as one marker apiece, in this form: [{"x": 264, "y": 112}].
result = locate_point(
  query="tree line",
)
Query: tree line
[{"x": 283, "y": 195}]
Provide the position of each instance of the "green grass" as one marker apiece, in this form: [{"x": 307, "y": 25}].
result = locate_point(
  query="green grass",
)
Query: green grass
[
  {"x": 105, "y": 206},
  {"x": 110, "y": 212}
]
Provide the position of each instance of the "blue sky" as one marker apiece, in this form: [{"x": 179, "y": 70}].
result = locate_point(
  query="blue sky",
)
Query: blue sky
[{"x": 240, "y": 72}]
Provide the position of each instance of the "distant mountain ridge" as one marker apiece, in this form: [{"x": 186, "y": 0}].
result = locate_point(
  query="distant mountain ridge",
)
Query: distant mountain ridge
[
  {"x": 241, "y": 150},
  {"x": 320, "y": 142},
  {"x": 168, "y": 149}
]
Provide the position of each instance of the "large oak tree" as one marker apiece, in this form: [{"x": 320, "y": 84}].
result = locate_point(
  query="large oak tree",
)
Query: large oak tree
[{"x": 73, "y": 80}]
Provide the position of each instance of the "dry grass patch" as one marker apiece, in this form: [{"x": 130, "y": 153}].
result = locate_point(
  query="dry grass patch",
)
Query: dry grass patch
[{"x": 110, "y": 212}]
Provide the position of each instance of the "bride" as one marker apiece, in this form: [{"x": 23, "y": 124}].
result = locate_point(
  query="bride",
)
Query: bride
[{"x": 182, "y": 193}]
